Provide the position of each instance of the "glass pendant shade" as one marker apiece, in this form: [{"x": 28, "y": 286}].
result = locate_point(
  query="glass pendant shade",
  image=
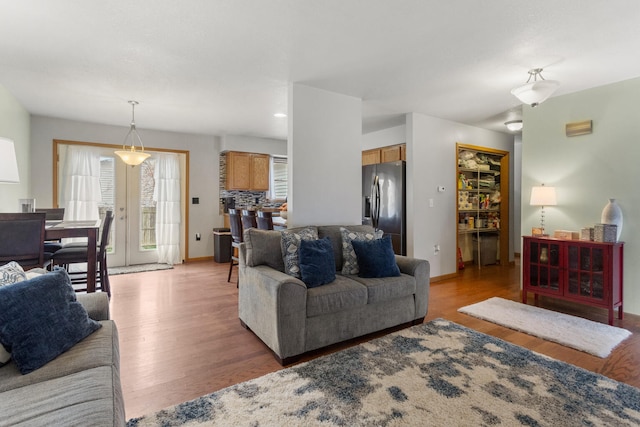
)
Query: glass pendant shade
[
  {"x": 537, "y": 91},
  {"x": 8, "y": 162},
  {"x": 131, "y": 155}
]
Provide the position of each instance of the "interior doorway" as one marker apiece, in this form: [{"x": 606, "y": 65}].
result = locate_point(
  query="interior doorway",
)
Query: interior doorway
[{"x": 128, "y": 192}]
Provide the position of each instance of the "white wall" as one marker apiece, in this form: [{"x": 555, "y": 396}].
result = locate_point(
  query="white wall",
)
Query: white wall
[
  {"x": 250, "y": 144},
  {"x": 14, "y": 124},
  {"x": 204, "y": 167},
  {"x": 517, "y": 193},
  {"x": 385, "y": 137},
  {"x": 431, "y": 162},
  {"x": 587, "y": 170},
  {"x": 325, "y": 157}
]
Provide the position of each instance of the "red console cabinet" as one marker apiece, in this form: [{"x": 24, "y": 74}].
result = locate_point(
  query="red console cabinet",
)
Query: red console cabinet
[{"x": 576, "y": 270}]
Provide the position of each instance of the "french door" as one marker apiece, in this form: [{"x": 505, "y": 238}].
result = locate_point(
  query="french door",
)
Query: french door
[{"x": 128, "y": 192}]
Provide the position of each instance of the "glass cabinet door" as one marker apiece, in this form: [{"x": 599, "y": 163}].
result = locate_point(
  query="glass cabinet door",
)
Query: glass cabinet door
[
  {"x": 586, "y": 271},
  {"x": 544, "y": 261}
]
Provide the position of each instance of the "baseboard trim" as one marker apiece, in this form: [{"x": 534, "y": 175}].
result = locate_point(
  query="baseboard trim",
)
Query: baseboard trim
[
  {"x": 443, "y": 277},
  {"x": 204, "y": 258}
]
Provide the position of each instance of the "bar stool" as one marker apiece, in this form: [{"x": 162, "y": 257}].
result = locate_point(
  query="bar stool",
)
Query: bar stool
[
  {"x": 265, "y": 220},
  {"x": 235, "y": 223},
  {"x": 249, "y": 219}
]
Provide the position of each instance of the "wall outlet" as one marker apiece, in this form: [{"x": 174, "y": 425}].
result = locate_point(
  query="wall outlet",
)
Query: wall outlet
[
  {"x": 430, "y": 203},
  {"x": 198, "y": 236},
  {"x": 436, "y": 249}
]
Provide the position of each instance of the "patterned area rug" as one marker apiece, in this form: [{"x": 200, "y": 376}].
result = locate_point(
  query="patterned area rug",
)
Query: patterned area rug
[
  {"x": 575, "y": 332},
  {"x": 138, "y": 268},
  {"x": 438, "y": 373}
]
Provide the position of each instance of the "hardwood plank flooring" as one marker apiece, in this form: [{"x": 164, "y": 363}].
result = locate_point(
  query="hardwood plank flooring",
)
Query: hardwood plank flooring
[{"x": 180, "y": 336}]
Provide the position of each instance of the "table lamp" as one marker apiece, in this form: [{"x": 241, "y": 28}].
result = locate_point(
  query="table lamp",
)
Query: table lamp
[
  {"x": 543, "y": 196},
  {"x": 8, "y": 162}
]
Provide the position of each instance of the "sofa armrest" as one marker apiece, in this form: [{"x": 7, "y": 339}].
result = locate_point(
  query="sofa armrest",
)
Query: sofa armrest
[
  {"x": 420, "y": 270},
  {"x": 273, "y": 305},
  {"x": 96, "y": 304}
]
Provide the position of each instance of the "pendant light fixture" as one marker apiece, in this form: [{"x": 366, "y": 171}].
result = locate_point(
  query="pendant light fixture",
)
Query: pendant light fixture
[
  {"x": 132, "y": 156},
  {"x": 537, "y": 91}
]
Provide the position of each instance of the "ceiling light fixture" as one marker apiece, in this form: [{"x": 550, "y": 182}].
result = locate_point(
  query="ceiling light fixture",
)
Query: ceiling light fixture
[
  {"x": 132, "y": 156},
  {"x": 280, "y": 115},
  {"x": 537, "y": 91},
  {"x": 514, "y": 125}
]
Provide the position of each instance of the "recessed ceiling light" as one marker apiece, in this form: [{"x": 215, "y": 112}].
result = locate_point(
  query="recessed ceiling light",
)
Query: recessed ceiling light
[{"x": 280, "y": 115}]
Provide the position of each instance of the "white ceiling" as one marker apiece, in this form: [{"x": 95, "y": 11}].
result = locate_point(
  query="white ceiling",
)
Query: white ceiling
[{"x": 223, "y": 66}]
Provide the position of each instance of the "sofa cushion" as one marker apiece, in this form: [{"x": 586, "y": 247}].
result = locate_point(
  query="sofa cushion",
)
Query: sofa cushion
[
  {"x": 317, "y": 266},
  {"x": 376, "y": 258},
  {"x": 290, "y": 246},
  {"x": 349, "y": 258},
  {"x": 40, "y": 319},
  {"x": 381, "y": 289},
  {"x": 341, "y": 294},
  {"x": 263, "y": 248},
  {"x": 89, "y": 397},
  {"x": 333, "y": 232}
]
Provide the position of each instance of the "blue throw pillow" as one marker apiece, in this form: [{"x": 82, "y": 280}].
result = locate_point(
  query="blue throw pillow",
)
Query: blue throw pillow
[
  {"x": 376, "y": 258},
  {"x": 41, "y": 319},
  {"x": 317, "y": 264}
]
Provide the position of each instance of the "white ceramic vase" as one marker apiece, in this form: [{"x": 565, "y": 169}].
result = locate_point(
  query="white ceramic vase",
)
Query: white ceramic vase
[{"x": 612, "y": 214}]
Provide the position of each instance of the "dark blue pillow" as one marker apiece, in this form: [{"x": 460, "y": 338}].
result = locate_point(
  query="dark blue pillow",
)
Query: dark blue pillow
[
  {"x": 317, "y": 264},
  {"x": 41, "y": 319},
  {"x": 376, "y": 258}
]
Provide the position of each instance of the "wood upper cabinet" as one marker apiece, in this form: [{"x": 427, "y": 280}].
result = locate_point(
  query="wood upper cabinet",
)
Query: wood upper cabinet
[
  {"x": 247, "y": 171},
  {"x": 259, "y": 172},
  {"x": 392, "y": 153},
  {"x": 371, "y": 157}
]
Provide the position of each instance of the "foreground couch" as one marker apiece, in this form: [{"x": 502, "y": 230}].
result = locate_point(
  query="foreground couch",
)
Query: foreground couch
[
  {"x": 292, "y": 319},
  {"x": 79, "y": 387}
]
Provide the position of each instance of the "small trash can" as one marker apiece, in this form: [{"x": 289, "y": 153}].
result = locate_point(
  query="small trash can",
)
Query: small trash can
[
  {"x": 488, "y": 249},
  {"x": 221, "y": 245}
]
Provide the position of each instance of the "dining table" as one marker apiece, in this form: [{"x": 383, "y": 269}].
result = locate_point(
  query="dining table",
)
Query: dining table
[{"x": 78, "y": 228}]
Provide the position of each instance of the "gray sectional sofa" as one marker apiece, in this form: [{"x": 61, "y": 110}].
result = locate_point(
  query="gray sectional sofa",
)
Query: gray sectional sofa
[
  {"x": 80, "y": 387},
  {"x": 292, "y": 319}
]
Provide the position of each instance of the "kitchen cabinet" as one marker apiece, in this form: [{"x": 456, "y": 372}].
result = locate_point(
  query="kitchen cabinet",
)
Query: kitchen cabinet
[
  {"x": 482, "y": 208},
  {"x": 371, "y": 157},
  {"x": 581, "y": 271},
  {"x": 247, "y": 171},
  {"x": 391, "y": 153}
]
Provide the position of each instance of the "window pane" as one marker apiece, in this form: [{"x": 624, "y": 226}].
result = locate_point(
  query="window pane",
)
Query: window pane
[
  {"x": 108, "y": 192},
  {"x": 147, "y": 205},
  {"x": 279, "y": 177}
]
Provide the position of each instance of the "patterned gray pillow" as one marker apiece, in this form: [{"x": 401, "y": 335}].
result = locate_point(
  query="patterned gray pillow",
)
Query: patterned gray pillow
[
  {"x": 9, "y": 273},
  {"x": 349, "y": 258},
  {"x": 290, "y": 245}
]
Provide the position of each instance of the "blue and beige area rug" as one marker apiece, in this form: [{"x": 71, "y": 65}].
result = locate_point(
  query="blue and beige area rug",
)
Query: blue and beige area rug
[{"x": 435, "y": 374}]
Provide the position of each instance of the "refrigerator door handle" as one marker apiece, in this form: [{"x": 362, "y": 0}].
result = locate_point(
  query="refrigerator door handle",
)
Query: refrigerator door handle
[{"x": 375, "y": 215}]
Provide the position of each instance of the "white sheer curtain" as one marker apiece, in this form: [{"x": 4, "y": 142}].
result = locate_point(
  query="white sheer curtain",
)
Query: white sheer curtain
[
  {"x": 80, "y": 192},
  {"x": 167, "y": 196}
]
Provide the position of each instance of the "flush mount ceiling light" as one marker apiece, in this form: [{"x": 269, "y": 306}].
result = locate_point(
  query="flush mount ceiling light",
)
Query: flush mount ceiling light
[
  {"x": 132, "y": 156},
  {"x": 537, "y": 91},
  {"x": 280, "y": 115},
  {"x": 514, "y": 125}
]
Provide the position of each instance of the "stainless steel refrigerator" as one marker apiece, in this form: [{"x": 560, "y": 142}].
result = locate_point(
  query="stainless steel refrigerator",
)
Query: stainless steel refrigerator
[{"x": 383, "y": 201}]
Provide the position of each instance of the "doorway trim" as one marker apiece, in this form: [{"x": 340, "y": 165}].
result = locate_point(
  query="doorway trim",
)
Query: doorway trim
[{"x": 184, "y": 203}]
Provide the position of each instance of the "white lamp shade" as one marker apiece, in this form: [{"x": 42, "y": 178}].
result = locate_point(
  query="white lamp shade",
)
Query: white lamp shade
[
  {"x": 132, "y": 157},
  {"x": 8, "y": 162},
  {"x": 536, "y": 92},
  {"x": 543, "y": 196}
]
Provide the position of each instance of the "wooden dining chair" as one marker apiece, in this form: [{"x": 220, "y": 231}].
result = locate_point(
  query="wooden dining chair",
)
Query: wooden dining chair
[
  {"x": 22, "y": 239},
  {"x": 265, "y": 220},
  {"x": 235, "y": 222},
  {"x": 51, "y": 214},
  {"x": 78, "y": 252}
]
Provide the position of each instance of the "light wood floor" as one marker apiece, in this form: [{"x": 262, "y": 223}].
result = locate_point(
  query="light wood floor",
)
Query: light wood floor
[{"x": 180, "y": 336}]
